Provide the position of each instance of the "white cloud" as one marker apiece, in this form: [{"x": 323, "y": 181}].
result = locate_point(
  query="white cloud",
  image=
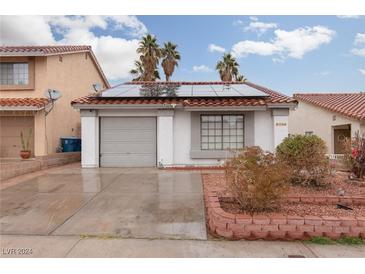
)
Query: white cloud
[
  {"x": 358, "y": 52},
  {"x": 362, "y": 71},
  {"x": 238, "y": 23},
  {"x": 15, "y": 30},
  {"x": 116, "y": 55},
  {"x": 215, "y": 48},
  {"x": 359, "y": 41},
  {"x": 348, "y": 16},
  {"x": 202, "y": 68},
  {"x": 294, "y": 44},
  {"x": 138, "y": 29},
  {"x": 260, "y": 27},
  {"x": 254, "y": 18},
  {"x": 244, "y": 48}
]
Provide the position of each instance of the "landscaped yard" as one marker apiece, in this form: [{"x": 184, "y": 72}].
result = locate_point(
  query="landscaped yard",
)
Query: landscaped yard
[
  {"x": 319, "y": 201},
  {"x": 293, "y": 194}
]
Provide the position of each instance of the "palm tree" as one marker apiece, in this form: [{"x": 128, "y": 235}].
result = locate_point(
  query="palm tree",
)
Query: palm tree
[
  {"x": 171, "y": 57},
  {"x": 240, "y": 78},
  {"x": 150, "y": 56},
  {"x": 139, "y": 73},
  {"x": 228, "y": 69}
]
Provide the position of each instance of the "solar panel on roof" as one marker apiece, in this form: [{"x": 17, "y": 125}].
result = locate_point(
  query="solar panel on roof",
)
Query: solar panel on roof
[{"x": 181, "y": 90}]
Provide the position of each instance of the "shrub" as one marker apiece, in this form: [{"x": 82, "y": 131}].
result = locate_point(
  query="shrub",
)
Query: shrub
[
  {"x": 355, "y": 155},
  {"x": 257, "y": 180},
  {"x": 306, "y": 157}
]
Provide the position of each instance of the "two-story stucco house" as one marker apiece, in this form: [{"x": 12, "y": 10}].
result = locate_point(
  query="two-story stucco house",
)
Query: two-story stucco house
[
  {"x": 26, "y": 72},
  {"x": 179, "y": 123},
  {"x": 331, "y": 116}
]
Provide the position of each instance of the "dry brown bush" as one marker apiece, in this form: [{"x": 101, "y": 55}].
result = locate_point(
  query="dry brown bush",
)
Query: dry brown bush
[{"x": 257, "y": 180}]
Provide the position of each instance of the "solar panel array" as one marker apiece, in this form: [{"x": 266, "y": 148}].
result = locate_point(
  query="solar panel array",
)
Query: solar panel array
[{"x": 186, "y": 90}]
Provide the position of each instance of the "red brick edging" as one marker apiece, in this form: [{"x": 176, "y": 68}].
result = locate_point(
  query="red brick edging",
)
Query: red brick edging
[{"x": 241, "y": 226}]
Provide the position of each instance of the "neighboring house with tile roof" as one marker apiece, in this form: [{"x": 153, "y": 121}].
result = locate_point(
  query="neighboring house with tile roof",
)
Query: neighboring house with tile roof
[
  {"x": 179, "y": 123},
  {"x": 26, "y": 72},
  {"x": 331, "y": 116}
]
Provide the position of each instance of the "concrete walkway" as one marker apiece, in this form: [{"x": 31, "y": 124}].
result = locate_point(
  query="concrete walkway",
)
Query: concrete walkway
[
  {"x": 75, "y": 247},
  {"x": 123, "y": 202}
]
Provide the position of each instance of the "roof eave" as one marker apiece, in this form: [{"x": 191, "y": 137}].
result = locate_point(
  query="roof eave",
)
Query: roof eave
[
  {"x": 21, "y": 108},
  {"x": 125, "y": 106}
]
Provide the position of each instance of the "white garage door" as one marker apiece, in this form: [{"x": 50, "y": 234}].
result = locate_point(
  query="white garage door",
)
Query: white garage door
[{"x": 127, "y": 142}]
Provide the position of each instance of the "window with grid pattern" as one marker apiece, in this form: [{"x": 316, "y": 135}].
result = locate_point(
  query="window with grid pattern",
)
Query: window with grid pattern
[
  {"x": 220, "y": 132},
  {"x": 14, "y": 74}
]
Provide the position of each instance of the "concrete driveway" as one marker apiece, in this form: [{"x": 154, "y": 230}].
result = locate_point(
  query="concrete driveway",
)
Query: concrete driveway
[{"x": 135, "y": 203}]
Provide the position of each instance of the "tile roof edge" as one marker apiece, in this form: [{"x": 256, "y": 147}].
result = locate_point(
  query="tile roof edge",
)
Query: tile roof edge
[{"x": 329, "y": 94}]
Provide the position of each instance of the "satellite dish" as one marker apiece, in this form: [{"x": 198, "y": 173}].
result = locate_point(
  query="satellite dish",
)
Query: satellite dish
[
  {"x": 52, "y": 94},
  {"x": 97, "y": 87}
]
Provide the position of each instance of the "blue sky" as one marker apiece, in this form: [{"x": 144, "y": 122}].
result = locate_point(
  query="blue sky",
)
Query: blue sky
[
  {"x": 331, "y": 67},
  {"x": 285, "y": 53}
]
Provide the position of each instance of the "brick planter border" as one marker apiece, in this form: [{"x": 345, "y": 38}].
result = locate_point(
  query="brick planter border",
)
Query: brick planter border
[{"x": 283, "y": 227}]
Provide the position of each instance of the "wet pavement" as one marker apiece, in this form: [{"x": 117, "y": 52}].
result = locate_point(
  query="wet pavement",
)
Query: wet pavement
[
  {"x": 103, "y": 247},
  {"x": 114, "y": 212},
  {"x": 136, "y": 203}
]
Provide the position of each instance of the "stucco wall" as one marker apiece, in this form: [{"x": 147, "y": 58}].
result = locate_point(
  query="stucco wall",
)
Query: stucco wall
[
  {"x": 73, "y": 77},
  {"x": 308, "y": 117},
  {"x": 263, "y": 123}
]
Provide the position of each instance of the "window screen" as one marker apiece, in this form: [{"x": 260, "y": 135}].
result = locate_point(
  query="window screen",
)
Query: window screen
[
  {"x": 222, "y": 132},
  {"x": 14, "y": 74}
]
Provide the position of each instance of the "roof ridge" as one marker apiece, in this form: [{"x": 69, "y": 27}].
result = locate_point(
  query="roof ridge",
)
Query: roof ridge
[
  {"x": 330, "y": 93},
  {"x": 43, "y": 46},
  {"x": 347, "y": 104}
]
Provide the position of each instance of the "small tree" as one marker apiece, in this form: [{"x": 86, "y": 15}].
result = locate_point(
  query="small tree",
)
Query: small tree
[
  {"x": 306, "y": 157},
  {"x": 355, "y": 154},
  {"x": 257, "y": 180}
]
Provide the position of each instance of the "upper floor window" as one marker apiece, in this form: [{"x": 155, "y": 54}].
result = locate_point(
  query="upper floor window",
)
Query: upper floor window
[
  {"x": 222, "y": 132},
  {"x": 14, "y": 74}
]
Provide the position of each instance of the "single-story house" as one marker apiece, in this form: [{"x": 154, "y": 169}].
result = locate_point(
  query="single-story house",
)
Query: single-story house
[
  {"x": 179, "y": 123},
  {"x": 331, "y": 116}
]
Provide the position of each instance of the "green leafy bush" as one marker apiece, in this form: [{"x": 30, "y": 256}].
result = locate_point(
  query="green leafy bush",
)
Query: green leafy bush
[
  {"x": 257, "y": 180},
  {"x": 306, "y": 157}
]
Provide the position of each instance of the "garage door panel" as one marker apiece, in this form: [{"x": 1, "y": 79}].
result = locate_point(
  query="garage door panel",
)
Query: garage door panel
[
  {"x": 10, "y": 128},
  {"x": 115, "y": 123},
  {"x": 129, "y": 135},
  {"x": 128, "y": 141},
  {"x": 128, "y": 148},
  {"x": 126, "y": 160}
]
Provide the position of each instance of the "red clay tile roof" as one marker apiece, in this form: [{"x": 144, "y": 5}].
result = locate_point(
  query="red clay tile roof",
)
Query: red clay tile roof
[
  {"x": 23, "y": 102},
  {"x": 348, "y": 104},
  {"x": 44, "y": 49},
  {"x": 273, "y": 98}
]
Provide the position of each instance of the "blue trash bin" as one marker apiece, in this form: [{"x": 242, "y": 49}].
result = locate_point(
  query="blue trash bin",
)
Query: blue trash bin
[{"x": 71, "y": 144}]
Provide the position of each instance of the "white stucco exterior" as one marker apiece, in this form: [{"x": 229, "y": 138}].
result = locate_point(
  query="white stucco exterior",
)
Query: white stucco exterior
[
  {"x": 263, "y": 130},
  {"x": 90, "y": 140},
  {"x": 165, "y": 138},
  {"x": 175, "y": 130}
]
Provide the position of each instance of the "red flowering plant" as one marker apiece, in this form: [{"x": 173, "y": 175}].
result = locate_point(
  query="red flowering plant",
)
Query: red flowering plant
[{"x": 355, "y": 155}]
